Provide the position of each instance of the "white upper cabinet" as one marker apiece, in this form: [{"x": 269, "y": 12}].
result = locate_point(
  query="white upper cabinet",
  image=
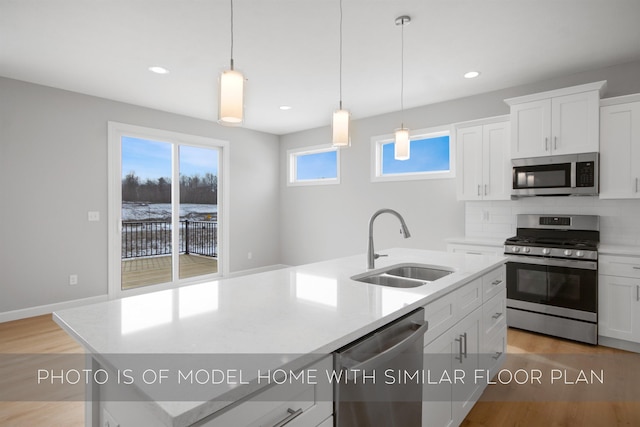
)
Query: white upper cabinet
[
  {"x": 620, "y": 148},
  {"x": 484, "y": 163},
  {"x": 564, "y": 121}
]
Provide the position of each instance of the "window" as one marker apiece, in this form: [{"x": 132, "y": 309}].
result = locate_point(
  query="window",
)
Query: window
[
  {"x": 431, "y": 156},
  {"x": 313, "y": 166}
]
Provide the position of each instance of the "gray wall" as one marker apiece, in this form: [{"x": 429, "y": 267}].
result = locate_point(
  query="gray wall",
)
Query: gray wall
[
  {"x": 323, "y": 222},
  {"x": 53, "y": 170}
]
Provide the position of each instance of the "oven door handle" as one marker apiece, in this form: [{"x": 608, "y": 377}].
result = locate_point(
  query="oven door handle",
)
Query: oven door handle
[{"x": 554, "y": 262}]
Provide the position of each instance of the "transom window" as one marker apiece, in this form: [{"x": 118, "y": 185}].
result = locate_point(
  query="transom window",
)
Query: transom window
[
  {"x": 431, "y": 156},
  {"x": 313, "y": 166}
]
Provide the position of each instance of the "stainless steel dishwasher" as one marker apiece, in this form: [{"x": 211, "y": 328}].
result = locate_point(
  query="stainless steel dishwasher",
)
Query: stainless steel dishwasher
[{"x": 378, "y": 385}]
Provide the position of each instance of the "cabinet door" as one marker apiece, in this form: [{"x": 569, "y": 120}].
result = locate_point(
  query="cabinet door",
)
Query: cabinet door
[
  {"x": 496, "y": 164},
  {"x": 469, "y": 146},
  {"x": 531, "y": 129},
  {"x": 437, "y": 392},
  {"x": 619, "y": 307},
  {"x": 620, "y": 151},
  {"x": 465, "y": 394},
  {"x": 575, "y": 123}
]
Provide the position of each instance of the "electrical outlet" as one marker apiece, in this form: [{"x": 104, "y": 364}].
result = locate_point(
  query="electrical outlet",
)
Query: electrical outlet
[
  {"x": 73, "y": 279},
  {"x": 108, "y": 420},
  {"x": 93, "y": 216}
]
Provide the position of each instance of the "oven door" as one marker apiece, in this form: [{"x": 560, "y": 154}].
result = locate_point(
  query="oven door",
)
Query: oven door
[{"x": 565, "y": 284}]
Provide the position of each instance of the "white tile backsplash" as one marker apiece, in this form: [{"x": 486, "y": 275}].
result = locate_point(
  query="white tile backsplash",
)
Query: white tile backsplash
[{"x": 619, "y": 219}]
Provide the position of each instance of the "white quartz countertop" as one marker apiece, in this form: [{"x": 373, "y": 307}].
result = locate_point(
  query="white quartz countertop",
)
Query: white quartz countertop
[
  {"x": 309, "y": 309},
  {"x": 611, "y": 249}
]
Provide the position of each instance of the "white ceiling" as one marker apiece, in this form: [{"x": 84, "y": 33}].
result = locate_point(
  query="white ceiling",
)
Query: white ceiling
[{"x": 289, "y": 50}]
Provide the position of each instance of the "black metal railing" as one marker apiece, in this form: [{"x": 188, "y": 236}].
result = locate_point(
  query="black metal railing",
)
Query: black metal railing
[{"x": 153, "y": 238}]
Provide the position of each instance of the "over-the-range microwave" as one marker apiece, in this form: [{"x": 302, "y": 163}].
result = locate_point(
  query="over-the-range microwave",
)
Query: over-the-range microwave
[{"x": 563, "y": 175}]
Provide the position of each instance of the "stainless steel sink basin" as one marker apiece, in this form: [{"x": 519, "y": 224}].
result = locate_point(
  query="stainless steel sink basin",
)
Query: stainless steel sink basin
[{"x": 404, "y": 275}]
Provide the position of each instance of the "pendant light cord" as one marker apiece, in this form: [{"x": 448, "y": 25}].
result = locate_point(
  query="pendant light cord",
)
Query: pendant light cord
[
  {"x": 232, "y": 34},
  {"x": 341, "y": 54},
  {"x": 402, "y": 75}
]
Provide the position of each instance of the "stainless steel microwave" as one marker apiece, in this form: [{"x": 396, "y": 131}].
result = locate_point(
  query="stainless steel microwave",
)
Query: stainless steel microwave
[{"x": 565, "y": 175}]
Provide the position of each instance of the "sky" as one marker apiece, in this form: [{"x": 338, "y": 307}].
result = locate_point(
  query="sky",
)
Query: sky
[
  {"x": 430, "y": 154},
  {"x": 152, "y": 159}
]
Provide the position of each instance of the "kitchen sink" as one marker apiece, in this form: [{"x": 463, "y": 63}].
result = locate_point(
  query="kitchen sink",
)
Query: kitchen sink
[{"x": 404, "y": 275}]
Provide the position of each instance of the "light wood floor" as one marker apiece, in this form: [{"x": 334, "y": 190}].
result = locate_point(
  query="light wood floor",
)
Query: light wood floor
[
  {"x": 41, "y": 335},
  {"x": 138, "y": 272}
]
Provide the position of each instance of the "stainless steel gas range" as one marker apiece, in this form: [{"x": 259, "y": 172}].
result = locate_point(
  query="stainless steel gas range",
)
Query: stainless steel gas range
[{"x": 552, "y": 276}]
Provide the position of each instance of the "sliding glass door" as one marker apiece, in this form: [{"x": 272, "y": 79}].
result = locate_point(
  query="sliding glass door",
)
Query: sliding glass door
[{"x": 165, "y": 199}]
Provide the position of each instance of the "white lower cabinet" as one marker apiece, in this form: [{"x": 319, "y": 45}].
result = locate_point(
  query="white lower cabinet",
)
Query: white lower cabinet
[
  {"x": 619, "y": 297},
  {"x": 457, "y": 360},
  {"x": 293, "y": 405}
]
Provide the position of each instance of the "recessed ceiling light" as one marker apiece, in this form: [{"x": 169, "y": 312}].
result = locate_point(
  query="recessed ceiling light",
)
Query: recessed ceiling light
[
  {"x": 158, "y": 70},
  {"x": 471, "y": 74},
  {"x": 285, "y": 107}
]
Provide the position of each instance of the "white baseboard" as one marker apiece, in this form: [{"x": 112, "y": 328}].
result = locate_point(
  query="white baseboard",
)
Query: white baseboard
[
  {"x": 256, "y": 270},
  {"x": 49, "y": 308},
  {"x": 619, "y": 344}
]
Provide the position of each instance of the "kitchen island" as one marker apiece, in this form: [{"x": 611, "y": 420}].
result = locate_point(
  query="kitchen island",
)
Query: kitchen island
[{"x": 285, "y": 319}]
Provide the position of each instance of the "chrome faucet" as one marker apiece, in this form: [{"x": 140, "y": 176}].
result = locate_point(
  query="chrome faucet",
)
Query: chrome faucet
[{"x": 371, "y": 255}]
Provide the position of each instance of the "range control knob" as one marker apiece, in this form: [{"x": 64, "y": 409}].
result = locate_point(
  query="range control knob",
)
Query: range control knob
[
  {"x": 546, "y": 251},
  {"x": 526, "y": 250},
  {"x": 579, "y": 254},
  {"x": 568, "y": 252},
  {"x": 515, "y": 249}
]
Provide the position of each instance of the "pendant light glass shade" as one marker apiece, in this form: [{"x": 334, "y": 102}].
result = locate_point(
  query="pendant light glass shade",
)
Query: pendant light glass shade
[
  {"x": 231, "y": 102},
  {"x": 402, "y": 145},
  {"x": 340, "y": 126}
]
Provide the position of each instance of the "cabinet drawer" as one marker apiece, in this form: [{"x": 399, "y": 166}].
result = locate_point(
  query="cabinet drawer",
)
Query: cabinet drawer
[
  {"x": 313, "y": 403},
  {"x": 441, "y": 316},
  {"x": 625, "y": 266},
  {"x": 495, "y": 351},
  {"x": 493, "y": 283},
  {"x": 468, "y": 298},
  {"x": 494, "y": 313}
]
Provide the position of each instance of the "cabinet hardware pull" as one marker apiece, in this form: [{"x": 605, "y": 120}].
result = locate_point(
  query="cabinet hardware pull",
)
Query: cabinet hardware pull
[
  {"x": 546, "y": 144},
  {"x": 496, "y": 282},
  {"x": 637, "y": 292},
  {"x": 636, "y": 268},
  {"x": 636, "y": 184},
  {"x": 497, "y": 355},
  {"x": 459, "y": 340},
  {"x": 555, "y": 142},
  {"x": 465, "y": 344},
  {"x": 292, "y": 414},
  {"x": 479, "y": 189},
  {"x": 496, "y": 316},
  {"x": 474, "y": 253},
  {"x": 485, "y": 189}
]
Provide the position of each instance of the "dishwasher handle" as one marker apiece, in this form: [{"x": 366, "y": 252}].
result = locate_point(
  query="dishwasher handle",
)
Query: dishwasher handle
[{"x": 390, "y": 353}]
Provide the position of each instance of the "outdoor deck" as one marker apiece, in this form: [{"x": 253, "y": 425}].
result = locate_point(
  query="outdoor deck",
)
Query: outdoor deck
[{"x": 153, "y": 270}]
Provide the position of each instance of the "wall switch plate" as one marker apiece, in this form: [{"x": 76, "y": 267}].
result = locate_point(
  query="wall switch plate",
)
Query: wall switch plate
[
  {"x": 93, "y": 216},
  {"x": 73, "y": 279},
  {"x": 249, "y": 255}
]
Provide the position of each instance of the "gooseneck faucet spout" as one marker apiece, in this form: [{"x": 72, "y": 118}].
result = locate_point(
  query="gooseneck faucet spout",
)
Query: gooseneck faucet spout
[{"x": 371, "y": 254}]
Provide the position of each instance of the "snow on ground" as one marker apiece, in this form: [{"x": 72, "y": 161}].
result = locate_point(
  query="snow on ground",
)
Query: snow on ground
[{"x": 135, "y": 211}]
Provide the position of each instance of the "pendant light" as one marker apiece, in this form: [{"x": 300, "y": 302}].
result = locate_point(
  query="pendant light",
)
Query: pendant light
[
  {"x": 401, "y": 140},
  {"x": 230, "y": 93},
  {"x": 341, "y": 117}
]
